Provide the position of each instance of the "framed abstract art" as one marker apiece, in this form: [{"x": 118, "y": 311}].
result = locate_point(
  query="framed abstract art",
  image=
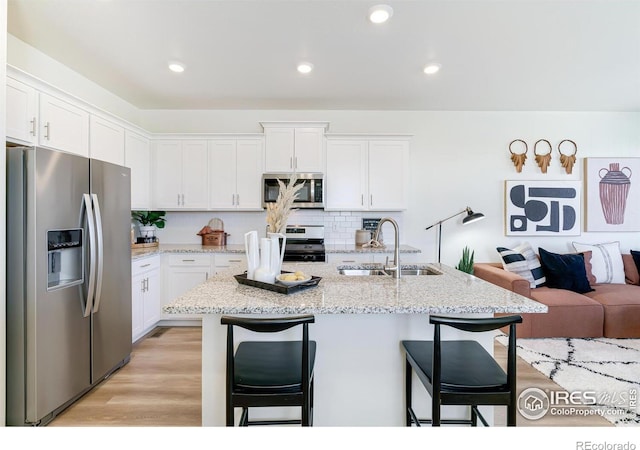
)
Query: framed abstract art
[
  {"x": 612, "y": 187},
  {"x": 542, "y": 208}
]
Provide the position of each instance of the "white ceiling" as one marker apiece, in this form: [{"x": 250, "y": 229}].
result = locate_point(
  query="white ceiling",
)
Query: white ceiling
[{"x": 242, "y": 54}]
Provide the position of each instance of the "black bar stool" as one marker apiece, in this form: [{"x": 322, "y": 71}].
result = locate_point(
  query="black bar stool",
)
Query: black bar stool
[
  {"x": 462, "y": 372},
  {"x": 270, "y": 373}
]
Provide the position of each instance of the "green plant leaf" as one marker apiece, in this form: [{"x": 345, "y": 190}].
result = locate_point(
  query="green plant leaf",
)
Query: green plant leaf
[
  {"x": 466, "y": 262},
  {"x": 149, "y": 218}
]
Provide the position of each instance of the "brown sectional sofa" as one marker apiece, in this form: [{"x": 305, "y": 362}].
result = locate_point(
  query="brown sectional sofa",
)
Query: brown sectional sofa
[{"x": 611, "y": 310}]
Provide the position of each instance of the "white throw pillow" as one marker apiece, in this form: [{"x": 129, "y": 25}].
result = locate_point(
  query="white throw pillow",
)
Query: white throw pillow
[{"x": 606, "y": 261}]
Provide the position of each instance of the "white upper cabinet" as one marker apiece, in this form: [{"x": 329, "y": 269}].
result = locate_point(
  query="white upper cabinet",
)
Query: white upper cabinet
[
  {"x": 367, "y": 173},
  {"x": 346, "y": 177},
  {"x": 22, "y": 124},
  {"x": 63, "y": 126},
  {"x": 106, "y": 140},
  {"x": 180, "y": 174},
  {"x": 294, "y": 147},
  {"x": 137, "y": 152},
  {"x": 249, "y": 169},
  {"x": 235, "y": 173},
  {"x": 222, "y": 167},
  {"x": 388, "y": 174}
]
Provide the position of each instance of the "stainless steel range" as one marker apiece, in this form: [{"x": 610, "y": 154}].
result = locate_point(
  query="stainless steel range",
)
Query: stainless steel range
[{"x": 305, "y": 243}]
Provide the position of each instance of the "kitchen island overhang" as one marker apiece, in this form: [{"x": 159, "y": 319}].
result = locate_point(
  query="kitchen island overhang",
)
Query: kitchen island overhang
[{"x": 360, "y": 321}]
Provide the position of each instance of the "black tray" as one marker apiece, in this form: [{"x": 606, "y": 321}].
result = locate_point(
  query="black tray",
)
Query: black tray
[{"x": 277, "y": 287}]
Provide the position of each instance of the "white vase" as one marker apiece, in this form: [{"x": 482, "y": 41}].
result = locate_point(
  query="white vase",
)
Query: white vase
[
  {"x": 277, "y": 251},
  {"x": 252, "y": 252},
  {"x": 264, "y": 273}
]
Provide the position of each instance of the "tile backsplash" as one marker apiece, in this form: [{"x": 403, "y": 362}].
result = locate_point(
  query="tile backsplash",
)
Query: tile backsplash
[{"x": 340, "y": 226}]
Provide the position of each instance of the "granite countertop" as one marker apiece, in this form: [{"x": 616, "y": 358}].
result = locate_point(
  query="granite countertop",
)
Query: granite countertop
[
  {"x": 452, "y": 292},
  {"x": 137, "y": 253}
]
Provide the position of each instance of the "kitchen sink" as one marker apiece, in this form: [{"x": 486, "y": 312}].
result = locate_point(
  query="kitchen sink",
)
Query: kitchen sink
[
  {"x": 424, "y": 271},
  {"x": 403, "y": 272},
  {"x": 362, "y": 272}
]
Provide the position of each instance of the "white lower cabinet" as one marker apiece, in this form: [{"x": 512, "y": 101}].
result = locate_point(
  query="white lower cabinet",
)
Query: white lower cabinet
[
  {"x": 182, "y": 272},
  {"x": 145, "y": 296},
  {"x": 350, "y": 258},
  {"x": 225, "y": 260},
  {"x": 368, "y": 258}
]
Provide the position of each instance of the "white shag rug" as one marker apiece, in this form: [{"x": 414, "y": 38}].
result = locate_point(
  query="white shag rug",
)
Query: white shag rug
[{"x": 608, "y": 368}]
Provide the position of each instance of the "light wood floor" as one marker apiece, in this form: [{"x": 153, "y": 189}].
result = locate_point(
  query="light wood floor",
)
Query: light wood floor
[{"x": 161, "y": 386}]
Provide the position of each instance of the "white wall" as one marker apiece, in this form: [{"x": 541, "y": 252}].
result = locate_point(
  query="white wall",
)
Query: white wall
[
  {"x": 458, "y": 159},
  {"x": 32, "y": 61}
]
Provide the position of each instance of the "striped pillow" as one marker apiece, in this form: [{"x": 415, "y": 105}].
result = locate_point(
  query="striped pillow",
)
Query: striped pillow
[
  {"x": 534, "y": 263},
  {"x": 516, "y": 262},
  {"x": 523, "y": 261},
  {"x": 606, "y": 261}
]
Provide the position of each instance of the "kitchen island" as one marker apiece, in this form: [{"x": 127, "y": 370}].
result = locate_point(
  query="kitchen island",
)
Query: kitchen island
[{"x": 360, "y": 321}]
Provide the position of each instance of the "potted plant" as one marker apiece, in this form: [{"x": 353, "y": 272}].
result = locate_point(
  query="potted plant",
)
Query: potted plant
[
  {"x": 149, "y": 221},
  {"x": 466, "y": 262}
]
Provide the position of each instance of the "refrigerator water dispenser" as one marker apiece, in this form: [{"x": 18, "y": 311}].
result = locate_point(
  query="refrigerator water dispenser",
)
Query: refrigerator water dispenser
[{"x": 64, "y": 265}]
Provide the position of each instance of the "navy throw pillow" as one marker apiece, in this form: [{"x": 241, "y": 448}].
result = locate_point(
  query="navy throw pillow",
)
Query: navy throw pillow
[
  {"x": 636, "y": 258},
  {"x": 565, "y": 271}
]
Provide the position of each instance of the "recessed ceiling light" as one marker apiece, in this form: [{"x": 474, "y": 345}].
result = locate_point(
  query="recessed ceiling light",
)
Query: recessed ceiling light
[
  {"x": 176, "y": 67},
  {"x": 305, "y": 67},
  {"x": 380, "y": 13},
  {"x": 430, "y": 69}
]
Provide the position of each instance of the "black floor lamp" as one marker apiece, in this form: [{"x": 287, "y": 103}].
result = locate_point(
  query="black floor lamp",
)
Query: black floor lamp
[{"x": 471, "y": 217}]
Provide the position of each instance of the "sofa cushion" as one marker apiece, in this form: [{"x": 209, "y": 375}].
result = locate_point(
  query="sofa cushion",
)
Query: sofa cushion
[
  {"x": 523, "y": 261},
  {"x": 565, "y": 271},
  {"x": 606, "y": 261},
  {"x": 621, "y": 304},
  {"x": 570, "y": 315}
]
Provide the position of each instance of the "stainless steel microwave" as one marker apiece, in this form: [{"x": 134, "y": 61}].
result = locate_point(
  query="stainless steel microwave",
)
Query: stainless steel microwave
[{"x": 310, "y": 196}]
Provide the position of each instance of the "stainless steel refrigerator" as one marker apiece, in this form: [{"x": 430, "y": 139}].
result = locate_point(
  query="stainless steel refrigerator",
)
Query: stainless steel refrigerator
[{"x": 68, "y": 279}]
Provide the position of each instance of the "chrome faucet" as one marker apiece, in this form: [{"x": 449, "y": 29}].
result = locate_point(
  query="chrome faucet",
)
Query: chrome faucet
[{"x": 396, "y": 252}]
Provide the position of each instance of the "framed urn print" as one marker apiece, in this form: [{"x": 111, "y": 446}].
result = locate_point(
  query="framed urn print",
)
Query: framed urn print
[
  {"x": 542, "y": 208},
  {"x": 612, "y": 187}
]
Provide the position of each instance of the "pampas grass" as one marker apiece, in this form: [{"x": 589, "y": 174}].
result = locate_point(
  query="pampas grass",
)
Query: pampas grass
[{"x": 278, "y": 212}]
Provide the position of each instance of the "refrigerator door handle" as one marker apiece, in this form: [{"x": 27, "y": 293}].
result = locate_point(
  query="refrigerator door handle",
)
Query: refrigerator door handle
[
  {"x": 92, "y": 255},
  {"x": 100, "y": 259}
]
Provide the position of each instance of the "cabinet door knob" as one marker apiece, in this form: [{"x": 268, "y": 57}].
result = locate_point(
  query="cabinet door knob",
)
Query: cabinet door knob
[
  {"x": 47, "y": 127},
  {"x": 33, "y": 127}
]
